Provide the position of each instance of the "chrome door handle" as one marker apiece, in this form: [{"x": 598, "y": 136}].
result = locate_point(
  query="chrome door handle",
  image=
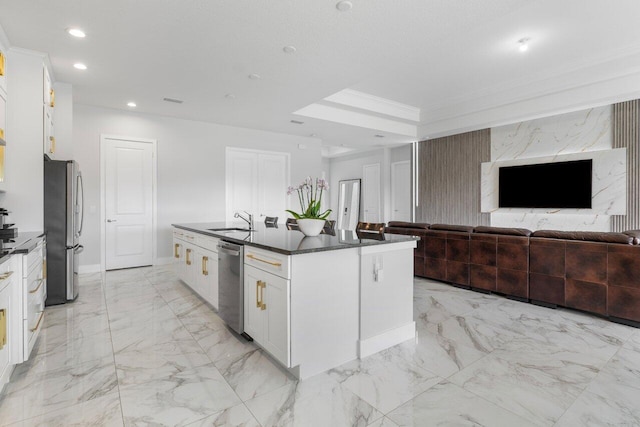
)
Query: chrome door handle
[{"x": 112, "y": 220}]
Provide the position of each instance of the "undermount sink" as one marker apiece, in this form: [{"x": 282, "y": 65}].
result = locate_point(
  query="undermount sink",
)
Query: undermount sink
[{"x": 229, "y": 229}]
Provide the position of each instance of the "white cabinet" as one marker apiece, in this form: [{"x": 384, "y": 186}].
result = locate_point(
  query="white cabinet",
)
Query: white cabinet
[
  {"x": 34, "y": 285},
  {"x": 48, "y": 104},
  {"x": 9, "y": 282},
  {"x": 196, "y": 260},
  {"x": 267, "y": 312}
]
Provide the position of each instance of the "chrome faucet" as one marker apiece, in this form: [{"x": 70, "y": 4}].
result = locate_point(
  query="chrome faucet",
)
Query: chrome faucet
[{"x": 248, "y": 220}]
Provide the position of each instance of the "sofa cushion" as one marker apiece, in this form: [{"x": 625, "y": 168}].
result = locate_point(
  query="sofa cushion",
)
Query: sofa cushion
[
  {"x": 405, "y": 224},
  {"x": 502, "y": 230},
  {"x": 589, "y": 236},
  {"x": 635, "y": 234},
  {"x": 448, "y": 227}
]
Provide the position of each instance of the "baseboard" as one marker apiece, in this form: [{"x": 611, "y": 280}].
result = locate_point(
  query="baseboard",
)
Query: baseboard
[
  {"x": 387, "y": 339},
  {"x": 164, "y": 261},
  {"x": 91, "y": 268}
]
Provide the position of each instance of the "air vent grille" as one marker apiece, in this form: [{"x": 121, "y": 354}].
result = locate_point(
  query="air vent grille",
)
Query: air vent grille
[
  {"x": 297, "y": 122},
  {"x": 175, "y": 101}
]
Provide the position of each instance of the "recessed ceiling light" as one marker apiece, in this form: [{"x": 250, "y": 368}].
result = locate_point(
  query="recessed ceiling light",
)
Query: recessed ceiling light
[
  {"x": 523, "y": 45},
  {"x": 131, "y": 104},
  {"x": 254, "y": 76},
  {"x": 344, "y": 5},
  {"x": 289, "y": 49},
  {"x": 230, "y": 96},
  {"x": 76, "y": 32},
  {"x": 79, "y": 66}
]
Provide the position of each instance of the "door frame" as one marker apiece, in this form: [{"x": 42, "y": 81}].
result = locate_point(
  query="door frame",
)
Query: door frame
[
  {"x": 104, "y": 141},
  {"x": 394, "y": 165}
]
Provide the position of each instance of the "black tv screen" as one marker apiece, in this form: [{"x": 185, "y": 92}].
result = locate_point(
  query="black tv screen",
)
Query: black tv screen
[{"x": 546, "y": 185}]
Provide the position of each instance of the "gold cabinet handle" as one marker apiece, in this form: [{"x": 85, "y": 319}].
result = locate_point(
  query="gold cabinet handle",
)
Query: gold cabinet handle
[
  {"x": 1, "y": 64},
  {"x": 52, "y": 147},
  {"x": 3, "y": 327},
  {"x": 37, "y": 324},
  {"x": 52, "y": 98},
  {"x": 205, "y": 271},
  {"x": 175, "y": 250},
  {"x": 38, "y": 288},
  {"x": 44, "y": 269},
  {"x": 258, "y": 286},
  {"x": 263, "y": 306},
  {"x": 1, "y": 133},
  {"x": 188, "y": 253},
  {"x": 275, "y": 264},
  {"x": 6, "y": 275}
]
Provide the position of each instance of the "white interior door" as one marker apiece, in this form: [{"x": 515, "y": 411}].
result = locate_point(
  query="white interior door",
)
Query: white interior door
[
  {"x": 256, "y": 182},
  {"x": 371, "y": 193},
  {"x": 401, "y": 191},
  {"x": 128, "y": 175}
]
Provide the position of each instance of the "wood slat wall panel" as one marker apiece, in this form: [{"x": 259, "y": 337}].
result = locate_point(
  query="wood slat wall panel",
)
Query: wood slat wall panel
[
  {"x": 626, "y": 134},
  {"x": 449, "y": 178}
]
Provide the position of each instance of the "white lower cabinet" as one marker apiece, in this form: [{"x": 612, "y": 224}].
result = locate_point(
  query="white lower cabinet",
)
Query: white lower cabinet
[
  {"x": 197, "y": 263},
  {"x": 267, "y": 312},
  {"x": 9, "y": 283}
]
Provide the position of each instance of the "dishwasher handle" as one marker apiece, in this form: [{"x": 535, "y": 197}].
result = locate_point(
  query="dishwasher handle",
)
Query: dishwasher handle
[{"x": 229, "y": 250}]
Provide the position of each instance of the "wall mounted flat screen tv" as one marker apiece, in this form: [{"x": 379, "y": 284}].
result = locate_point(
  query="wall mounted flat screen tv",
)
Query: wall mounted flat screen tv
[{"x": 561, "y": 185}]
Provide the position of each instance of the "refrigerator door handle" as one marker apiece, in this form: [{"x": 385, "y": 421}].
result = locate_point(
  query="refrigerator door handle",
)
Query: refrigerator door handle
[{"x": 80, "y": 187}]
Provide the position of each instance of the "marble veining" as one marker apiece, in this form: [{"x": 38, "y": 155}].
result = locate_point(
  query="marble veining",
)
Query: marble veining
[
  {"x": 168, "y": 360},
  {"x": 579, "y": 135}
]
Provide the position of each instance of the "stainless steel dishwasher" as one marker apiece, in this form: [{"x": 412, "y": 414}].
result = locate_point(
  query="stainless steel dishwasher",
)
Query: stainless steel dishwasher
[{"x": 231, "y": 284}]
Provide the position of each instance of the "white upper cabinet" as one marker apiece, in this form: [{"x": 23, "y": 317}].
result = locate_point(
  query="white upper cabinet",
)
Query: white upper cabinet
[{"x": 48, "y": 104}]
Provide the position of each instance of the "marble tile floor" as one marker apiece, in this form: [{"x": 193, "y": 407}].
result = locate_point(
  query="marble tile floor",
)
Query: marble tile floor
[{"x": 139, "y": 348}]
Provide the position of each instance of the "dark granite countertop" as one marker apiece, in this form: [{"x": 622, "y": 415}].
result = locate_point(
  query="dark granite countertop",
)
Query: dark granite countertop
[
  {"x": 24, "y": 243},
  {"x": 290, "y": 242}
]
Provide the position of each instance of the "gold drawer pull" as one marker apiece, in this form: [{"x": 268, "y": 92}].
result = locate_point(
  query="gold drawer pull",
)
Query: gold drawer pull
[
  {"x": 275, "y": 264},
  {"x": 44, "y": 269},
  {"x": 52, "y": 147},
  {"x": 1, "y": 133},
  {"x": 258, "y": 286},
  {"x": 38, "y": 288},
  {"x": 6, "y": 275},
  {"x": 1, "y": 64},
  {"x": 188, "y": 260},
  {"x": 175, "y": 250},
  {"x": 38, "y": 324},
  {"x": 52, "y": 98},
  {"x": 263, "y": 306},
  {"x": 3, "y": 327}
]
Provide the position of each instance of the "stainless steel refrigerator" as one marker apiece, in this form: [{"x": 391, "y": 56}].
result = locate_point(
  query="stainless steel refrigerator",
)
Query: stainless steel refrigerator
[{"x": 63, "y": 218}]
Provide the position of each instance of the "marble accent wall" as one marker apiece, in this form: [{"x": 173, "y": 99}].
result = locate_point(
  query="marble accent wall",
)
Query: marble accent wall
[{"x": 579, "y": 135}]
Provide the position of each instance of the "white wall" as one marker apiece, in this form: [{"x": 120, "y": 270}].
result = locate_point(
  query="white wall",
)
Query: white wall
[
  {"x": 24, "y": 196},
  {"x": 350, "y": 167},
  {"x": 584, "y": 134},
  {"x": 191, "y": 167}
]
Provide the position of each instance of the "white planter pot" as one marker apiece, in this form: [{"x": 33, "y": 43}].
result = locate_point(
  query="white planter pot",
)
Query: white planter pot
[{"x": 311, "y": 227}]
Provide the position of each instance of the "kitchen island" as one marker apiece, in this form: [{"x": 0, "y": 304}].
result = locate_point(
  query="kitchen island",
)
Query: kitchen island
[{"x": 313, "y": 303}]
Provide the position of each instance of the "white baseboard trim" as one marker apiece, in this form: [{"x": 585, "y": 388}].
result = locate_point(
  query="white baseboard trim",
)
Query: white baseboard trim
[
  {"x": 91, "y": 268},
  {"x": 386, "y": 339},
  {"x": 164, "y": 261}
]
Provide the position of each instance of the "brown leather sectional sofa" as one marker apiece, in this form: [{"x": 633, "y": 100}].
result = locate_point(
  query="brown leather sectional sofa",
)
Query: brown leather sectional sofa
[{"x": 596, "y": 272}]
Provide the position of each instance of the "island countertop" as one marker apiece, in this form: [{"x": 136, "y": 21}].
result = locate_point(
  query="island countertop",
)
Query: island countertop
[{"x": 291, "y": 242}]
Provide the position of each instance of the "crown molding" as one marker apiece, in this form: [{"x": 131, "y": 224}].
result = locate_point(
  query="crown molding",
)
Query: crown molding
[{"x": 368, "y": 102}]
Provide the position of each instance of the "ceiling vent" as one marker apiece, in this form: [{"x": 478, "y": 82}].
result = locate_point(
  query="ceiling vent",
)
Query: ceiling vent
[
  {"x": 175, "y": 101},
  {"x": 297, "y": 122}
]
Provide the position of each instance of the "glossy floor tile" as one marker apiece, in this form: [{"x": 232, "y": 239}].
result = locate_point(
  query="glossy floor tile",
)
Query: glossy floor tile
[{"x": 139, "y": 348}]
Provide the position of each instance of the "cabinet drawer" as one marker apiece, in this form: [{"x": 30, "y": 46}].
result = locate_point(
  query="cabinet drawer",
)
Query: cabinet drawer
[
  {"x": 33, "y": 260},
  {"x": 271, "y": 262},
  {"x": 207, "y": 242}
]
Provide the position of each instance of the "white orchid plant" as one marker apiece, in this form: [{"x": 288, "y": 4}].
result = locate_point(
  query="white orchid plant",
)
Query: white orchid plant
[{"x": 310, "y": 198}]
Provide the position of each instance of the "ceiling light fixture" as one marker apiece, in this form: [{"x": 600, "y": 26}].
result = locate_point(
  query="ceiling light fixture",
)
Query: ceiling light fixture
[
  {"x": 76, "y": 32},
  {"x": 289, "y": 49},
  {"x": 523, "y": 45},
  {"x": 344, "y": 5},
  {"x": 254, "y": 76},
  {"x": 131, "y": 104},
  {"x": 79, "y": 66}
]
